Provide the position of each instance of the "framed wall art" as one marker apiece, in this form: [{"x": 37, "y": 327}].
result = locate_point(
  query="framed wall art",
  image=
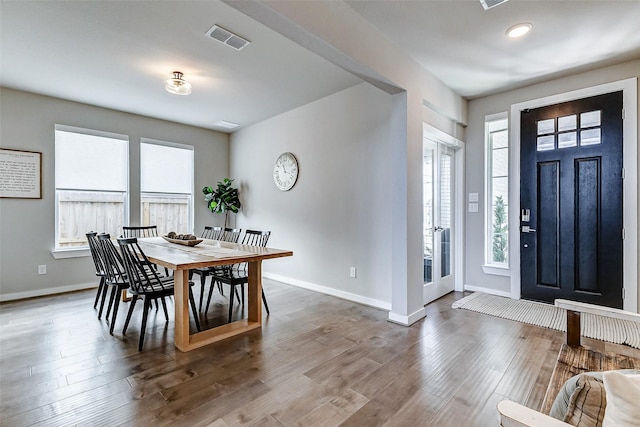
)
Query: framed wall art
[{"x": 20, "y": 174}]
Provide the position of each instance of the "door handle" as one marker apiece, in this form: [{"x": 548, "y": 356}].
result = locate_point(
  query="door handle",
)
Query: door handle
[
  {"x": 527, "y": 229},
  {"x": 438, "y": 228}
]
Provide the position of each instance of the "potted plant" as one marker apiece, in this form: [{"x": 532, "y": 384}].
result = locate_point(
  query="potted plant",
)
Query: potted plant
[{"x": 222, "y": 199}]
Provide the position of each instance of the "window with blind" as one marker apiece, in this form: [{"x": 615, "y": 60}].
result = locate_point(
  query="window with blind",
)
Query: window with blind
[
  {"x": 166, "y": 185},
  {"x": 91, "y": 182}
]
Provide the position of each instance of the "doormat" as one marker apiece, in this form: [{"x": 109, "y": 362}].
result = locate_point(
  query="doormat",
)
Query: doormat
[{"x": 549, "y": 316}]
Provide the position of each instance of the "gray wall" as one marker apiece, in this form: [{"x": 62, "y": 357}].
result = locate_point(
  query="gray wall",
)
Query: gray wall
[
  {"x": 478, "y": 109},
  {"x": 338, "y": 214},
  {"x": 27, "y": 226}
]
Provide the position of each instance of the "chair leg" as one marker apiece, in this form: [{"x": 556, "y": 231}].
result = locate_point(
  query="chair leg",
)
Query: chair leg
[
  {"x": 164, "y": 307},
  {"x": 116, "y": 304},
  {"x": 134, "y": 298},
  {"x": 145, "y": 313},
  {"x": 264, "y": 300},
  {"x": 203, "y": 278},
  {"x": 105, "y": 288},
  {"x": 112, "y": 298},
  {"x": 99, "y": 291},
  {"x": 209, "y": 298},
  {"x": 231, "y": 291},
  {"x": 193, "y": 309}
]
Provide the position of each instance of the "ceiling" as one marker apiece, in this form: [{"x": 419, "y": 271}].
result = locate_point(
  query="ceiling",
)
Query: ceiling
[
  {"x": 466, "y": 46},
  {"x": 118, "y": 54}
]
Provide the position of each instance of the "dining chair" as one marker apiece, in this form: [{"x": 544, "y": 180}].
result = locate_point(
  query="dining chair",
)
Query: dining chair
[
  {"x": 232, "y": 235},
  {"x": 116, "y": 277},
  {"x": 142, "y": 231},
  {"x": 213, "y": 233},
  {"x": 146, "y": 284},
  {"x": 237, "y": 274},
  {"x": 98, "y": 262}
]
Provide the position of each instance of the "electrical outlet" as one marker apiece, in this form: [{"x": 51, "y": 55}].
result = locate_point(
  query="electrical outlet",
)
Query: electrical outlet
[
  {"x": 352, "y": 272},
  {"x": 42, "y": 269}
]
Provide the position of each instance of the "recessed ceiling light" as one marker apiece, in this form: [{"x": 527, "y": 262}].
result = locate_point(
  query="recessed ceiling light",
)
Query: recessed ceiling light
[{"x": 519, "y": 30}]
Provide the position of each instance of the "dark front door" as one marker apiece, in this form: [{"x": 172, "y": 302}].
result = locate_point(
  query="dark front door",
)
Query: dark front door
[{"x": 571, "y": 191}]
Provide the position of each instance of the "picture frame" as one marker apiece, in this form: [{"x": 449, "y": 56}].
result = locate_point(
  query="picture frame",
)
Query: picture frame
[{"x": 20, "y": 174}]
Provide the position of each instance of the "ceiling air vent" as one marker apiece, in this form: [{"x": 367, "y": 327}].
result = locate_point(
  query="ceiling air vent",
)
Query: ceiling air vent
[
  {"x": 227, "y": 37},
  {"x": 488, "y": 4}
]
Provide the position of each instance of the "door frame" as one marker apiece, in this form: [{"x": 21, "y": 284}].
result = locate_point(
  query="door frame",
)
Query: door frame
[
  {"x": 629, "y": 87},
  {"x": 433, "y": 134}
]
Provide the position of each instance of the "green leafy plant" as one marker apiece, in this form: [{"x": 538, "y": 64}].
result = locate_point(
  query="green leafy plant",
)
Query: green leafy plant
[
  {"x": 222, "y": 199},
  {"x": 499, "y": 231}
]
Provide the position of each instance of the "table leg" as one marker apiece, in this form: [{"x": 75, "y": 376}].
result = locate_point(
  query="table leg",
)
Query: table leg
[
  {"x": 181, "y": 296},
  {"x": 254, "y": 310},
  {"x": 573, "y": 328}
]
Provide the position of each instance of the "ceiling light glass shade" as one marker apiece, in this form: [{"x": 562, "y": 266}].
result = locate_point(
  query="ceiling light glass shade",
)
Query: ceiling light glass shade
[
  {"x": 519, "y": 30},
  {"x": 177, "y": 85}
]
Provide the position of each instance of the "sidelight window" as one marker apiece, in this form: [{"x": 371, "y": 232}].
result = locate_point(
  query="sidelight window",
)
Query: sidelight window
[{"x": 497, "y": 191}]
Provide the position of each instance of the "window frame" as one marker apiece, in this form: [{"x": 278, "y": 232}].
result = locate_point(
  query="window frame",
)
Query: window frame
[
  {"x": 77, "y": 251},
  {"x": 494, "y": 123}
]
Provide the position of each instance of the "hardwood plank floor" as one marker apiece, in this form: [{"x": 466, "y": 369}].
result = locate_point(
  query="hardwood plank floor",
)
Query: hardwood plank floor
[{"x": 318, "y": 361}]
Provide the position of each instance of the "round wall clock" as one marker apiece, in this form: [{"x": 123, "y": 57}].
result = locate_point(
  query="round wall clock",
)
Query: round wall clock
[{"x": 285, "y": 171}]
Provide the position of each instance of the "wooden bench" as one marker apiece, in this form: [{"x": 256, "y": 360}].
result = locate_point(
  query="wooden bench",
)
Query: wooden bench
[{"x": 573, "y": 359}]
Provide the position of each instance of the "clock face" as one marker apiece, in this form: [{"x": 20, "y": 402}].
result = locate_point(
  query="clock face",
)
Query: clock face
[{"x": 285, "y": 171}]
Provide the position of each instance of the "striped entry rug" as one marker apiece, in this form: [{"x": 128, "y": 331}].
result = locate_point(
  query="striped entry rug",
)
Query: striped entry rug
[{"x": 549, "y": 316}]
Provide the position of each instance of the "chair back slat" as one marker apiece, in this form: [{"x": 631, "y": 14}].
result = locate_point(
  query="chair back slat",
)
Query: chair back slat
[
  {"x": 140, "y": 231},
  {"x": 213, "y": 233},
  {"x": 231, "y": 235},
  {"x": 96, "y": 255},
  {"x": 256, "y": 238},
  {"x": 114, "y": 268},
  {"x": 141, "y": 278}
]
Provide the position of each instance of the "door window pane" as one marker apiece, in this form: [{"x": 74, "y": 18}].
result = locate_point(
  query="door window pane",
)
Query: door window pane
[
  {"x": 567, "y": 123},
  {"x": 590, "y": 137},
  {"x": 546, "y": 126},
  {"x": 446, "y": 199},
  {"x": 568, "y": 139},
  {"x": 546, "y": 143},
  {"x": 427, "y": 197},
  {"x": 590, "y": 119}
]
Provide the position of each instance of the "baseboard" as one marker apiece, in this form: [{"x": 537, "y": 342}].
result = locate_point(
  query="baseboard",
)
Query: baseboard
[
  {"x": 46, "y": 292},
  {"x": 409, "y": 320},
  {"x": 487, "y": 291},
  {"x": 371, "y": 302}
]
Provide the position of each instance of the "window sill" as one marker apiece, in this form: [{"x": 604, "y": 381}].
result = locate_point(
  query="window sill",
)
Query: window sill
[
  {"x": 70, "y": 253},
  {"x": 496, "y": 270}
]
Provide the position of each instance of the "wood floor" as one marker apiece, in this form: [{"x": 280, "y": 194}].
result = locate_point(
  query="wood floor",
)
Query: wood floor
[{"x": 318, "y": 361}]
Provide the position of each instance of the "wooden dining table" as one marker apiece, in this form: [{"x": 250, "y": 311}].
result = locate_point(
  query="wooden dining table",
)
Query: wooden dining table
[{"x": 210, "y": 253}]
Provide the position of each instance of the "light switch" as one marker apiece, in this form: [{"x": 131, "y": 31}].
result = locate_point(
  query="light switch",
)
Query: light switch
[
  {"x": 473, "y": 197},
  {"x": 473, "y": 207}
]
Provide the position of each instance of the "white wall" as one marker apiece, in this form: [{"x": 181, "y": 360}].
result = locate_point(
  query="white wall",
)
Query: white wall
[
  {"x": 27, "y": 226},
  {"x": 478, "y": 110},
  {"x": 336, "y": 32},
  {"x": 338, "y": 214}
]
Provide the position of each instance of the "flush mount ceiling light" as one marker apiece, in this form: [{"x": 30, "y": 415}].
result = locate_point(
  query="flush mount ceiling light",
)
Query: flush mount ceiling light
[
  {"x": 177, "y": 85},
  {"x": 519, "y": 30}
]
